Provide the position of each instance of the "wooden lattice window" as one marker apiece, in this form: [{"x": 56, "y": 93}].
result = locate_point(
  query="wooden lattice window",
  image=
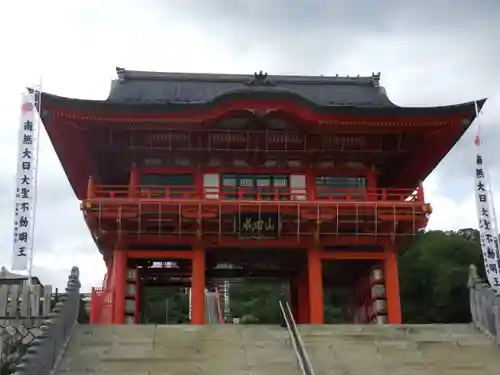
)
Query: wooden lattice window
[
  {"x": 338, "y": 187},
  {"x": 180, "y": 183},
  {"x": 254, "y": 185}
]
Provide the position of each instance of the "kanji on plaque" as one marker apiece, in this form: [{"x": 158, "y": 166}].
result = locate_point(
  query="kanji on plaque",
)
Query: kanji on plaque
[{"x": 25, "y": 183}]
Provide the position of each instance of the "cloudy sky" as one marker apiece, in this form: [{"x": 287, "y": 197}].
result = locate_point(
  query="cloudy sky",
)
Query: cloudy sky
[{"x": 429, "y": 52}]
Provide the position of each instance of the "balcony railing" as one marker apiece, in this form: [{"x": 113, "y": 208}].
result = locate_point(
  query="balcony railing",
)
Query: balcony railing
[
  {"x": 101, "y": 306},
  {"x": 190, "y": 193}
]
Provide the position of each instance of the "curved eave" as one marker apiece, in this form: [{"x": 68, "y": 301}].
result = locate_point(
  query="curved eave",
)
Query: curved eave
[
  {"x": 437, "y": 144},
  {"x": 244, "y": 100},
  {"x": 71, "y": 147},
  {"x": 63, "y": 118}
]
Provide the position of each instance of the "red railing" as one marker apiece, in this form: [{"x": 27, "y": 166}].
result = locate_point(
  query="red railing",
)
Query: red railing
[
  {"x": 220, "y": 314},
  {"x": 101, "y": 306},
  {"x": 368, "y": 301},
  {"x": 190, "y": 193}
]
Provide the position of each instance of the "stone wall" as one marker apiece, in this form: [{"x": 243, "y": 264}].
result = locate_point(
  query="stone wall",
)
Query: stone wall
[
  {"x": 46, "y": 350},
  {"x": 484, "y": 306}
]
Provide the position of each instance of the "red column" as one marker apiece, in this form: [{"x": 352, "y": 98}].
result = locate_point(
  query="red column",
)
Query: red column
[
  {"x": 137, "y": 300},
  {"x": 90, "y": 188},
  {"x": 134, "y": 180},
  {"x": 119, "y": 285},
  {"x": 311, "y": 185},
  {"x": 299, "y": 296},
  {"x": 315, "y": 276},
  {"x": 392, "y": 288},
  {"x": 294, "y": 300},
  {"x": 198, "y": 287},
  {"x": 304, "y": 311},
  {"x": 109, "y": 274}
]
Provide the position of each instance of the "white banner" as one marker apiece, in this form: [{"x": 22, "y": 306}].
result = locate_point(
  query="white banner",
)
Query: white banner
[
  {"x": 25, "y": 184},
  {"x": 487, "y": 227}
]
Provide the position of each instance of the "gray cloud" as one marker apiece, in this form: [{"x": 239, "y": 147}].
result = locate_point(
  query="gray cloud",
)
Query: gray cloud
[
  {"x": 429, "y": 53},
  {"x": 358, "y": 16}
]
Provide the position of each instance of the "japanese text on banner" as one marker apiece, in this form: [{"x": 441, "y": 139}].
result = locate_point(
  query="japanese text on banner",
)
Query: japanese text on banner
[
  {"x": 487, "y": 226},
  {"x": 25, "y": 184}
]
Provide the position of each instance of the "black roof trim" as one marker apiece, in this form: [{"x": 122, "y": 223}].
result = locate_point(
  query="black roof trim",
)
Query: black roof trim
[
  {"x": 128, "y": 75},
  {"x": 255, "y": 94}
]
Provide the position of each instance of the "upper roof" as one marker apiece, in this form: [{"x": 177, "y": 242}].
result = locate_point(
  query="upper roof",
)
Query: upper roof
[
  {"x": 138, "y": 87},
  {"x": 198, "y": 96},
  {"x": 151, "y": 100}
]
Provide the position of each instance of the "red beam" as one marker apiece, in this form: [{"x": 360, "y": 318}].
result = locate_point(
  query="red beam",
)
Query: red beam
[
  {"x": 327, "y": 240},
  {"x": 159, "y": 254},
  {"x": 352, "y": 255},
  {"x": 153, "y": 239}
]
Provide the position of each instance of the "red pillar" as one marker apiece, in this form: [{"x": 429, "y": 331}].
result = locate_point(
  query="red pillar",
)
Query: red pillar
[
  {"x": 198, "y": 287},
  {"x": 392, "y": 288},
  {"x": 315, "y": 276},
  {"x": 137, "y": 300},
  {"x": 119, "y": 284},
  {"x": 299, "y": 296},
  {"x": 294, "y": 298},
  {"x": 108, "y": 277},
  {"x": 303, "y": 308},
  {"x": 311, "y": 185},
  {"x": 134, "y": 180}
]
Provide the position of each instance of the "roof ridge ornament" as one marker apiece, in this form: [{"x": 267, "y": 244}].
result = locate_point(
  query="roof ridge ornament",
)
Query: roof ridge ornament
[
  {"x": 376, "y": 79},
  {"x": 260, "y": 79},
  {"x": 121, "y": 73}
]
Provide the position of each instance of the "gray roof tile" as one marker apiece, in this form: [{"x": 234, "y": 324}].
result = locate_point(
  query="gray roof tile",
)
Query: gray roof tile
[{"x": 160, "y": 88}]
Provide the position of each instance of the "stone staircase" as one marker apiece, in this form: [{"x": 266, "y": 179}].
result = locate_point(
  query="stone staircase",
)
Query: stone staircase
[
  {"x": 441, "y": 349},
  {"x": 179, "y": 350}
]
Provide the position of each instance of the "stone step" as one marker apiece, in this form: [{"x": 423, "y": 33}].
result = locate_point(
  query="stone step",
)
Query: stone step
[
  {"x": 221, "y": 349},
  {"x": 328, "y": 329},
  {"x": 406, "y": 349},
  {"x": 262, "y": 350}
]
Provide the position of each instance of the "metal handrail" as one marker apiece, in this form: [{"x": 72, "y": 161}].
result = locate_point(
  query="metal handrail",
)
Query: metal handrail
[
  {"x": 293, "y": 340},
  {"x": 296, "y": 340}
]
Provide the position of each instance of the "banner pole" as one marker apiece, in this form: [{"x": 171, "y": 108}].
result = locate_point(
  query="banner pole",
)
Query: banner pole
[
  {"x": 486, "y": 215},
  {"x": 38, "y": 106}
]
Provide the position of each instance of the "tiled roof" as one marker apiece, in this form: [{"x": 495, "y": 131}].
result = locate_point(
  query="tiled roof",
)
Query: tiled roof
[
  {"x": 137, "y": 87},
  {"x": 5, "y": 274}
]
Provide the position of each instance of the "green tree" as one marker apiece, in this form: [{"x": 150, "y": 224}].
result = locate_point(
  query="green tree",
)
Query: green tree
[
  {"x": 433, "y": 277},
  {"x": 155, "y": 302},
  {"x": 83, "y": 313},
  {"x": 469, "y": 234},
  {"x": 256, "y": 302}
]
